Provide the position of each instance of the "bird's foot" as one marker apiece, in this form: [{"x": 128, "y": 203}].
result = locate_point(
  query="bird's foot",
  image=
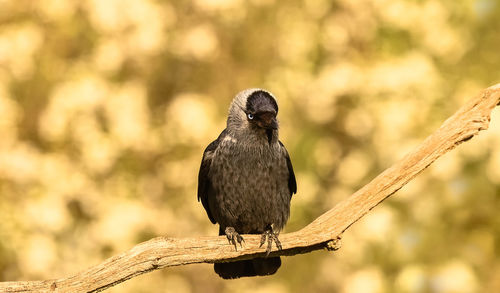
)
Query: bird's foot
[
  {"x": 234, "y": 237},
  {"x": 271, "y": 236}
]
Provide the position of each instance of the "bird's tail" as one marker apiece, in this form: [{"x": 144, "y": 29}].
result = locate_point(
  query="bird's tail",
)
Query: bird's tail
[{"x": 248, "y": 268}]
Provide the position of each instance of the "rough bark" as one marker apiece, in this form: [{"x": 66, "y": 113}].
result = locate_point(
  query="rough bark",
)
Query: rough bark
[{"x": 322, "y": 233}]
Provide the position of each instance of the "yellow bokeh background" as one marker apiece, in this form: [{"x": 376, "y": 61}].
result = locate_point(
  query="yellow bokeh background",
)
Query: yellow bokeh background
[{"x": 106, "y": 107}]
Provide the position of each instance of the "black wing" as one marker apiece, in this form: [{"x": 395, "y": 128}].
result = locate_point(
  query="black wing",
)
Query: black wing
[
  {"x": 205, "y": 190},
  {"x": 292, "y": 183}
]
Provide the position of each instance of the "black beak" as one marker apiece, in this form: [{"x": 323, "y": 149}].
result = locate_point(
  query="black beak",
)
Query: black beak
[
  {"x": 273, "y": 124},
  {"x": 268, "y": 120}
]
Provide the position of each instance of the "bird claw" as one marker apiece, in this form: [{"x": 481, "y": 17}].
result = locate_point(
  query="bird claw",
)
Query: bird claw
[
  {"x": 271, "y": 236},
  {"x": 234, "y": 237}
]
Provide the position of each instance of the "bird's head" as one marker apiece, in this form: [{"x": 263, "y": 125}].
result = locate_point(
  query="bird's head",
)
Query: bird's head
[{"x": 254, "y": 109}]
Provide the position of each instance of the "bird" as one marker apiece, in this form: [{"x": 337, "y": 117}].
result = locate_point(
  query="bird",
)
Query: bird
[{"x": 246, "y": 181}]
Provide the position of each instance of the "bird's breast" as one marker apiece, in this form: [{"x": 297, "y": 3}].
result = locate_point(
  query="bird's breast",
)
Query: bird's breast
[{"x": 250, "y": 184}]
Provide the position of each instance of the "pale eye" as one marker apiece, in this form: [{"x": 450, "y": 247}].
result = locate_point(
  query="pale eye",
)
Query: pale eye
[{"x": 250, "y": 116}]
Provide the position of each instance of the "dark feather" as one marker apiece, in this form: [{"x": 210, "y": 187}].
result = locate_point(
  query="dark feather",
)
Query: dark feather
[
  {"x": 205, "y": 189},
  {"x": 259, "y": 100},
  {"x": 292, "y": 183},
  {"x": 248, "y": 268},
  {"x": 269, "y": 133}
]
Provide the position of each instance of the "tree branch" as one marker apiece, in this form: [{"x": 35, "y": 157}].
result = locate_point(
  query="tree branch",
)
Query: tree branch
[{"x": 164, "y": 252}]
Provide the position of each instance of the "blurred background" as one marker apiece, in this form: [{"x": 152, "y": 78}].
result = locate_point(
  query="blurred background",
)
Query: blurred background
[{"x": 107, "y": 106}]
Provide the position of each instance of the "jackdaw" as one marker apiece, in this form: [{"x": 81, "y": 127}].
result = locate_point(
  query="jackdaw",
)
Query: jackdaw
[{"x": 246, "y": 181}]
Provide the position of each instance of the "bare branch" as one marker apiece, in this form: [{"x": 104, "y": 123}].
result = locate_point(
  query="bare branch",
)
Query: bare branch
[{"x": 164, "y": 252}]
